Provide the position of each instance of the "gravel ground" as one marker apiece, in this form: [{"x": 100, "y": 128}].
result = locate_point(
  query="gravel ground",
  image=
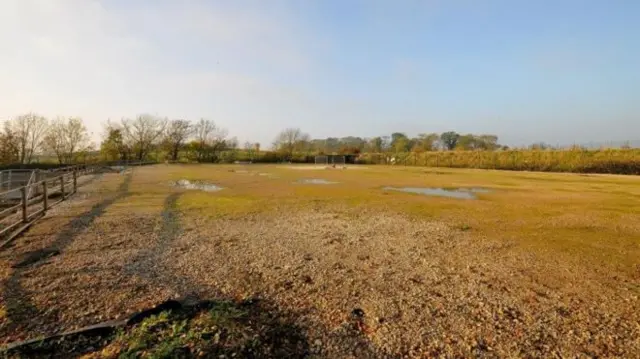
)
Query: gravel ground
[{"x": 365, "y": 284}]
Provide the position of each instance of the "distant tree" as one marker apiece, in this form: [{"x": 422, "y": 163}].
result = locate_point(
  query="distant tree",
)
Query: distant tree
[
  {"x": 209, "y": 140},
  {"x": 250, "y": 149},
  {"x": 65, "y": 138},
  {"x": 142, "y": 133},
  {"x": 471, "y": 142},
  {"x": 376, "y": 145},
  {"x": 289, "y": 140},
  {"x": 352, "y": 143},
  {"x": 449, "y": 140},
  {"x": 231, "y": 143},
  {"x": 400, "y": 142},
  {"x": 467, "y": 142},
  {"x": 113, "y": 146},
  {"x": 540, "y": 146},
  {"x": 305, "y": 145},
  {"x": 386, "y": 144},
  {"x": 489, "y": 142},
  {"x": 9, "y": 145},
  {"x": 229, "y": 151},
  {"x": 176, "y": 135},
  {"x": 426, "y": 142},
  {"x": 331, "y": 145},
  {"x": 29, "y": 130},
  {"x": 349, "y": 150}
]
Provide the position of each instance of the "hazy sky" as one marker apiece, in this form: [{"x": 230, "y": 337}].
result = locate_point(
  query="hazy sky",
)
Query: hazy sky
[{"x": 559, "y": 71}]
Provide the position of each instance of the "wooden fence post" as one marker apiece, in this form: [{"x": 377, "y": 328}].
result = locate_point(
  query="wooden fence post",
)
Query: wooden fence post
[
  {"x": 75, "y": 181},
  {"x": 23, "y": 192},
  {"x": 45, "y": 199},
  {"x": 62, "y": 186}
]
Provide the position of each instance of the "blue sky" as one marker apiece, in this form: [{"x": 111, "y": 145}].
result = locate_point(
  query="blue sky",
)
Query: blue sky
[{"x": 555, "y": 71}]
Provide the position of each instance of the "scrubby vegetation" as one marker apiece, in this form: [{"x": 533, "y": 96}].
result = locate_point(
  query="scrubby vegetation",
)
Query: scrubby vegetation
[
  {"x": 207, "y": 329},
  {"x": 612, "y": 161}
]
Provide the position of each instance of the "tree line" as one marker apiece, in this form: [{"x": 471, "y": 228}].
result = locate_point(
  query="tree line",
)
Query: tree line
[
  {"x": 293, "y": 140},
  {"x": 66, "y": 139},
  {"x": 201, "y": 141},
  {"x": 25, "y": 137}
]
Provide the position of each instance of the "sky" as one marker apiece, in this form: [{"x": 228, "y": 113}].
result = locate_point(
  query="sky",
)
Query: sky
[{"x": 558, "y": 71}]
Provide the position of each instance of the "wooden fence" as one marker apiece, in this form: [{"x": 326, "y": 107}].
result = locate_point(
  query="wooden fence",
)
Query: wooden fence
[
  {"x": 20, "y": 207},
  {"x": 24, "y": 205}
]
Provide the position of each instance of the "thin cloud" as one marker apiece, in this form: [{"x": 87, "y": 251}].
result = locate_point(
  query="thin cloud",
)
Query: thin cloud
[{"x": 188, "y": 58}]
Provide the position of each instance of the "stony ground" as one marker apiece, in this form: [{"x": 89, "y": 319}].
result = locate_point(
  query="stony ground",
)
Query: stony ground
[{"x": 357, "y": 284}]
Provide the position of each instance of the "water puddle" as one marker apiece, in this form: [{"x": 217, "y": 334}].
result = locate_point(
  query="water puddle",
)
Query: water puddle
[
  {"x": 201, "y": 186},
  {"x": 459, "y": 193},
  {"x": 270, "y": 175},
  {"x": 474, "y": 190},
  {"x": 315, "y": 181}
]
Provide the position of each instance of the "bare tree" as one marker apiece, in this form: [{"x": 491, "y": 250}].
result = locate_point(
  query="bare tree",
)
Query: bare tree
[
  {"x": 290, "y": 140},
  {"x": 66, "y": 138},
  {"x": 9, "y": 146},
  {"x": 142, "y": 133},
  {"x": 209, "y": 140},
  {"x": 28, "y": 129},
  {"x": 177, "y": 133}
]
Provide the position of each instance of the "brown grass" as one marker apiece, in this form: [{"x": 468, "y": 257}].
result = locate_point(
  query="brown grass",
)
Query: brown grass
[{"x": 544, "y": 264}]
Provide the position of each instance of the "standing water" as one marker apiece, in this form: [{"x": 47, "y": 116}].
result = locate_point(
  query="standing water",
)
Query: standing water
[
  {"x": 315, "y": 181},
  {"x": 459, "y": 193},
  {"x": 207, "y": 187}
]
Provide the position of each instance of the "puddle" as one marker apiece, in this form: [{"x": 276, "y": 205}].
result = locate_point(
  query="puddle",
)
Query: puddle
[
  {"x": 207, "y": 187},
  {"x": 459, "y": 193},
  {"x": 270, "y": 175},
  {"x": 475, "y": 190},
  {"x": 315, "y": 181}
]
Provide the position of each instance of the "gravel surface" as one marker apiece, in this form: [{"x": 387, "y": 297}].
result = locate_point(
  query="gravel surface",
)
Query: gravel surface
[{"x": 361, "y": 284}]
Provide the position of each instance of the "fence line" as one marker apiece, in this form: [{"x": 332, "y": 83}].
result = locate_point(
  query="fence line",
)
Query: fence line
[{"x": 35, "y": 198}]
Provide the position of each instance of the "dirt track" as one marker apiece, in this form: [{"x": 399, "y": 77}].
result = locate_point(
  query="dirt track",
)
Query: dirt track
[{"x": 365, "y": 284}]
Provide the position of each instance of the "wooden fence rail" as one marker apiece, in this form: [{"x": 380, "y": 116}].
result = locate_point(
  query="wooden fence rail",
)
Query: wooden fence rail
[
  {"x": 51, "y": 191},
  {"x": 44, "y": 190}
]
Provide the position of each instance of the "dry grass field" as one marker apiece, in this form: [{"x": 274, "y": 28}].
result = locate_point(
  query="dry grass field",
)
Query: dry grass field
[{"x": 540, "y": 265}]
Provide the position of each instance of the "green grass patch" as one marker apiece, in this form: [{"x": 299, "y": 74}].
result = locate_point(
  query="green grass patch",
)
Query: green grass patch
[{"x": 208, "y": 329}]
